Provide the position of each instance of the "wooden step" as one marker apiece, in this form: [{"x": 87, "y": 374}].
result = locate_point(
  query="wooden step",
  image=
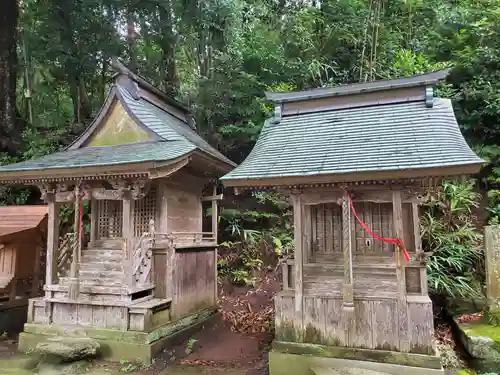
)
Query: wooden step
[
  {"x": 115, "y": 243},
  {"x": 102, "y": 266},
  {"x": 86, "y": 273},
  {"x": 88, "y": 280},
  {"x": 100, "y": 289}
]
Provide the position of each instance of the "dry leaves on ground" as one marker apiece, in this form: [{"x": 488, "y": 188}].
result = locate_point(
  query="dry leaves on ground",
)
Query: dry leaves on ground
[{"x": 468, "y": 318}]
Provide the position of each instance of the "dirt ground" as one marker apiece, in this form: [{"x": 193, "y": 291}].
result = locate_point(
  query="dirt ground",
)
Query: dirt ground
[{"x": 237, "y": 339}]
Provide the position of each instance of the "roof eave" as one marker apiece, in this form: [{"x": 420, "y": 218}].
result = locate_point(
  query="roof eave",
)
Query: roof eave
[
  {"x": 416, "y": 173},
  {"x": 86, "y": 172}
]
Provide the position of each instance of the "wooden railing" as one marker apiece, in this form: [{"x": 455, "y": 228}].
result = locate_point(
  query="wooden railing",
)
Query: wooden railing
[
  {"x": 65, "y": 254},
  {"x": 142, "y": 257},
  {"x": 193, "y": 238}
]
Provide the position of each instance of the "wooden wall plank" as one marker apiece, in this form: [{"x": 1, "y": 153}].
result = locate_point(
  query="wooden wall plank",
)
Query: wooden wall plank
[
  {"x": 363, "y": 338},
  {"x": 334, "y": 327},
  {"x": 422, "y": 326},
  {"x": 385, "y": 325},
  {"x": 314, "y": 320}
]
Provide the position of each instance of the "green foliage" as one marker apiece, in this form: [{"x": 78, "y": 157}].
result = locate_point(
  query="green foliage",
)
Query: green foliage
[
  {"x": 454, "y": 268},
  {"x": 255, "y": 238},
  {"x": 190, "y": 345}
]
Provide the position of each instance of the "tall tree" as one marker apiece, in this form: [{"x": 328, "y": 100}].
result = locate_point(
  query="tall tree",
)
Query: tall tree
[{"x": 9, "y": 133}]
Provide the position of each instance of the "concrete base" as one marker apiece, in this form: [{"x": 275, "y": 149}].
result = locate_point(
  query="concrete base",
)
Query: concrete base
[
  {"x": 116, "y": 345},
  {"x": 298, "y": 359}
]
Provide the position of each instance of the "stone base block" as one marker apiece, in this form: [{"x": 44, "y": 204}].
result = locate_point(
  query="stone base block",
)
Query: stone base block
[
  {"x": 482, "y": 342},
  {"x": 288, "y": 358},
  {"x": 116, "y": 345}
]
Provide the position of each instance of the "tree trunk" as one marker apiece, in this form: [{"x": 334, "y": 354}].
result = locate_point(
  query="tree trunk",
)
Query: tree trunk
[
  {"x": 131, "y": 35},
  {"x": 10, "y": 134},
  {"x": 168, "y": 44}
]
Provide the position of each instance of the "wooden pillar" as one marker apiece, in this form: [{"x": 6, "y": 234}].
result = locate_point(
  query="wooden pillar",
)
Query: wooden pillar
[
  {"x": 215, "y": 215},
  {"x": 127, "y": 224},
  {"x": 348, "y": 289},
  {"x": 52, "y": 239},
  {"x": 418, "y": 248},
  {"x": 162, "y": 208},
  {"x": 397, "y": 215},
  {"x": 296, "y": 199},
  {"x": 94, "y": 217},
  {"x": 403, "y": 324}
]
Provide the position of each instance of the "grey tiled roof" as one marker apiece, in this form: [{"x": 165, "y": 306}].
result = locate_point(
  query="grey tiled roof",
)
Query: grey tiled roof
[
  {"x": 378, "y": 138},
  {"x": 166, "y": 125},
  {"x": 105, "y": 155},
  {"x": 176, "y": 139}
]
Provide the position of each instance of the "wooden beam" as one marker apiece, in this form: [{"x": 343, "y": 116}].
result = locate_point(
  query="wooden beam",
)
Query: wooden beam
[
  {"x": 296, "y": 200},
  {"x": 416, "y": 227},
  {"x": 212, "y": 198}
]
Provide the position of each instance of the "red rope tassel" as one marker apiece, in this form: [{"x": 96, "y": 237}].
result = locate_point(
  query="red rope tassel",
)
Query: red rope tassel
[{"x": 394, "y": 241}]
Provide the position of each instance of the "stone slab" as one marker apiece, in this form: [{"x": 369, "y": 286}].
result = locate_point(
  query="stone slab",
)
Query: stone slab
[
  {"x": 482, "y": 342},
  {"x": 296, "y": 364},
  {"x": 358, "y": 354}
]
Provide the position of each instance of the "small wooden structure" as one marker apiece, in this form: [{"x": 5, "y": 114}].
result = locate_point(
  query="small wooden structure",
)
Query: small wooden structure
[
  {"x": 354, "y": 161},
  {"x": 148, "y": 269},
  {"x": 23, "y": 231}
]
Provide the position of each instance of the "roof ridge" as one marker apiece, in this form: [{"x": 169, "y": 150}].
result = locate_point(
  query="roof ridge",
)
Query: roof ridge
[{"x": 425, "y": 79}]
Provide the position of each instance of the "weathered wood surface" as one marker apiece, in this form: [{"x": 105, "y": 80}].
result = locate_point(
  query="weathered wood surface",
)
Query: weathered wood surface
[
  {"x": 299, "y": 260},
  {"x": 194, "y": 281},
  {"x": 492, "y": 253},
  {"x": 378, "y": 323}
]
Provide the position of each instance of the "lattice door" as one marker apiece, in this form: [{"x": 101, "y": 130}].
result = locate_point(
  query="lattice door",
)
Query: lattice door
[
  {"x": 326, "y": 222},
  {"x": 110, "y": 218},
  {"x": 144, "y": 211},
  {"x": 378, "y": 216}
]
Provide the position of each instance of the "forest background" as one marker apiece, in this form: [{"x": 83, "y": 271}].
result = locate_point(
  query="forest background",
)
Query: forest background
[{"x": 219, "y": 56}]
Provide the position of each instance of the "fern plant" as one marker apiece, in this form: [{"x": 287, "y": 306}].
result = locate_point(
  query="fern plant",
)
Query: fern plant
[{"x": 455, "y": 266}]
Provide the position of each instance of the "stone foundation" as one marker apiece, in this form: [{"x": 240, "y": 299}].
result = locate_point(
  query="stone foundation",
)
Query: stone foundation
[
  {"x": 116, "y": 345},
  {"x": 287, "y": 358}
]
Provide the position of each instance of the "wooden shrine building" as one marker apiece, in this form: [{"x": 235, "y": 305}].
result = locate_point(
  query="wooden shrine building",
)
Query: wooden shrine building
[
  {"x": 146, "y": 269},
  {"x": 354, "y": 160}
]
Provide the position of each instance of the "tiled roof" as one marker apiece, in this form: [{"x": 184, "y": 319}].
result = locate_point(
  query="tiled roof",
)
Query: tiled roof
[
  {"x": 175, "y": 139},
  {"x": 389, "y": 137},
  {"x": 106, "y": 155}
]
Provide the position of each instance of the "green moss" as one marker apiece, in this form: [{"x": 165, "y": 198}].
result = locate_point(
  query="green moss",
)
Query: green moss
[
  {"x": 422, "y": 349},
  {"x": 312, "y": 335},
  {"x": 286, "y": 332},
  {"x": 382, "y": 356},
  {"x": 466, "y": 372},
  {"x": 482, "y": 330}
]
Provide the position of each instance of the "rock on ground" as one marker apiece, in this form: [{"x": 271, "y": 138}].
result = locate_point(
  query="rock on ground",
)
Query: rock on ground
[{"x": 68, "y": 348}]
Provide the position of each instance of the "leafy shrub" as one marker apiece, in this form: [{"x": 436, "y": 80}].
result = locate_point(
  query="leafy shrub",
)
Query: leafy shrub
[{"x": 455, "y": 266}]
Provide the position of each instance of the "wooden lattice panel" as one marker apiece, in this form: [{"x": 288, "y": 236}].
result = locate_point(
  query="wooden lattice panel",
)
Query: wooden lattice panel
[
  {"x": 378, "y": 217},
  {"x": 412, "y": 276},
  {"x": 326, "y": 228},
  {"x": 144, "y": 211},
  {"x": 110, "y": 218}
]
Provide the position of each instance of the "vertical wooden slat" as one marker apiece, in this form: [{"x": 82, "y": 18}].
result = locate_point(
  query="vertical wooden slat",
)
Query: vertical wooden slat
[
  {"x": 307, "y": 233},
  {"x": 329, "y": 228},
  {"x": 36, "y": 270},
  {"x": 215, "y": 215},
  {"x": 297, "y": 223},
  {"x": 94, "y": 211},
  {"x": 52, "y": 240}
]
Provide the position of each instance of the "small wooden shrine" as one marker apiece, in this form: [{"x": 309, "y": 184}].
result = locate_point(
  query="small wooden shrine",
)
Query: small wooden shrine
[
  {"x": 145, "y": 270},
  {"x": 354, "y": 160}
]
